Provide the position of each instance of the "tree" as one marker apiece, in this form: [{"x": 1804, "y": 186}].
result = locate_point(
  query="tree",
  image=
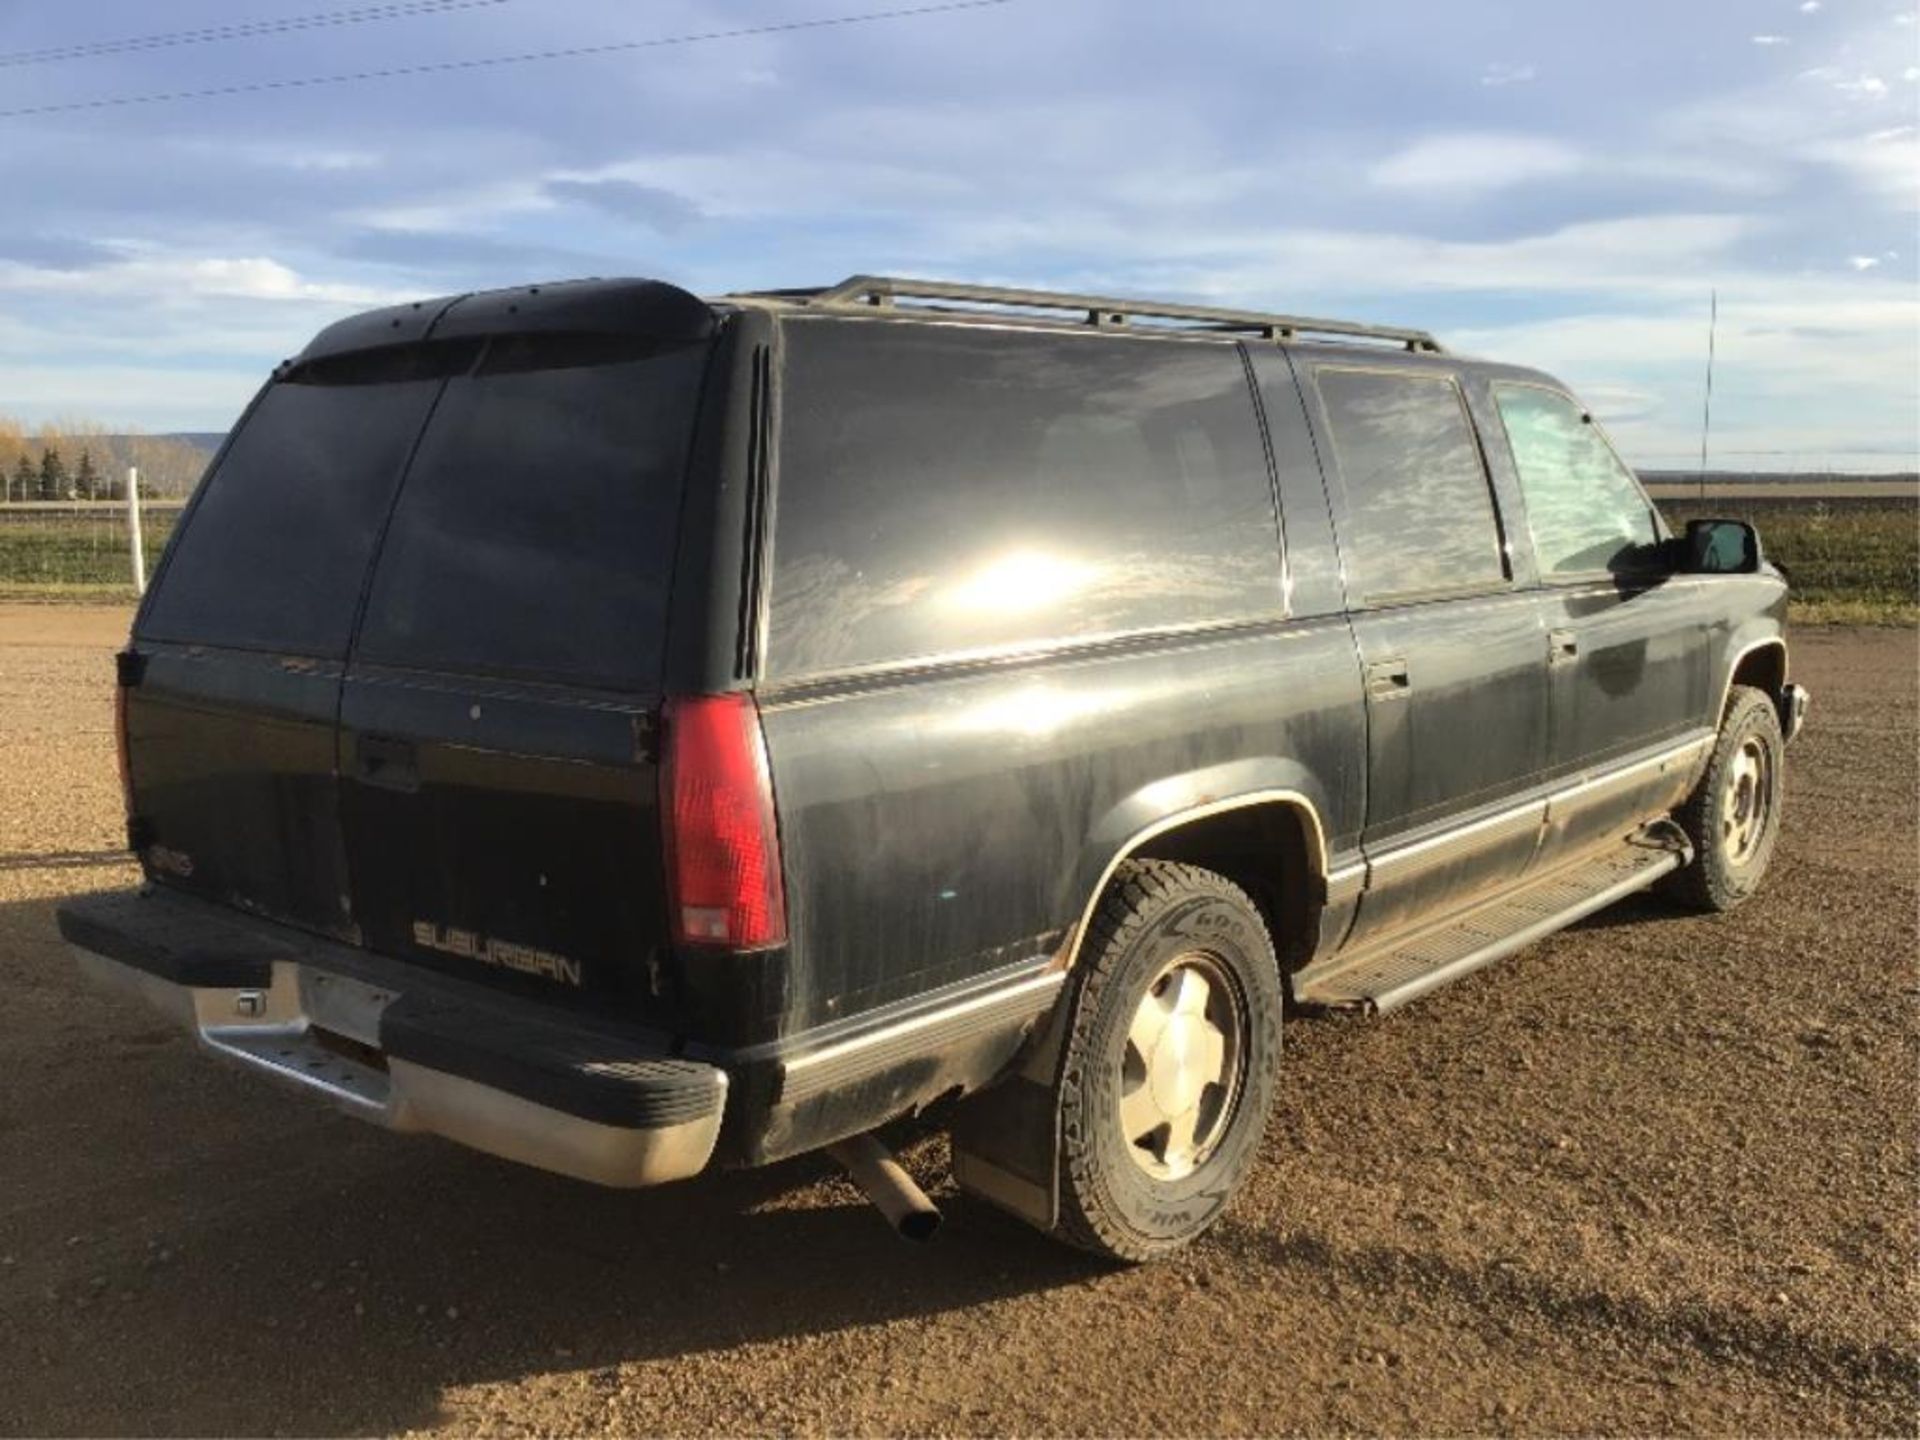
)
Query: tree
[
  {"x": 53, "y": 475},
  {"x": 86, "y": 479},
  {"x": 25, "y": 482}
]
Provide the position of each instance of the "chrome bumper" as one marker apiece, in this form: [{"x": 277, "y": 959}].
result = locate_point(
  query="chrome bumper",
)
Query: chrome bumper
[
  {"x": 1794, "y": 701},
  {"x": 320, "y": 1032}
]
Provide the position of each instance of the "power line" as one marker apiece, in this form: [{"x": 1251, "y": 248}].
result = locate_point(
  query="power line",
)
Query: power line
[
  {"x": 438, "y": 67},
  {"x": 242, "y": 30}
]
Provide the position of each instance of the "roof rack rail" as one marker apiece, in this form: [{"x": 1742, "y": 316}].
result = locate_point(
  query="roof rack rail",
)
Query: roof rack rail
[{"x": 881, "y": 291}]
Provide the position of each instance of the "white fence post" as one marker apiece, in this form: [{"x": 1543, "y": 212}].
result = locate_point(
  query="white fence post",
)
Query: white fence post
[{"x": 133, "y": 530}]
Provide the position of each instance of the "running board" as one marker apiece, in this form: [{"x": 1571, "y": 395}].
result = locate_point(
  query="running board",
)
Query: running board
[{"x": 1388, "y": 974}]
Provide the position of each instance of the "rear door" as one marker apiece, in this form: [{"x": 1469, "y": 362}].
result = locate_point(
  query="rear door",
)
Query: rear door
[
  {"x": 1450, "y": 640},
  {"x": 238, "y": 652},
  {"x": 499, "y": 784}
]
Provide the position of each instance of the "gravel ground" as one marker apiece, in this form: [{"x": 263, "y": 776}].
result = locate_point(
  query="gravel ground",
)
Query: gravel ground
[{"x": 1654, "y": 1175}]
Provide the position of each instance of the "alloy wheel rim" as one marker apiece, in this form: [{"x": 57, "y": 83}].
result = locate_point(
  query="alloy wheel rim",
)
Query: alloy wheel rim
[
  {"x": 1746, "y": 805},
  {"x": 1182, "y": 1067}
]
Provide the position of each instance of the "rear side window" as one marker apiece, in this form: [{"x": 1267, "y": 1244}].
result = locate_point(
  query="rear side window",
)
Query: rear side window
[
  {"x": 945, "y": 490},
  {"x": 277, "y": 548},
  {"x": 1584, "y": 508},
  {"x": 1420, "y": 509},
  {"x": 536, "y": 532}
]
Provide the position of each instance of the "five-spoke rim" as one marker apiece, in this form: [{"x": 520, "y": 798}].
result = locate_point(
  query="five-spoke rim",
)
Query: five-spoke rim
[
  {"x": 1180, "y": 1076},
  {"x": 1746, "y": 807}
]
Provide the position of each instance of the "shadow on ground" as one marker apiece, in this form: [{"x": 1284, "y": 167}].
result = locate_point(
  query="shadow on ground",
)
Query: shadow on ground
[{"x": 189, "y": 1251}]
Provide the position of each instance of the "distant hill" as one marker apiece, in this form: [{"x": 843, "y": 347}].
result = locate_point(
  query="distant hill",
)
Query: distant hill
[
  {"x": 207, "y": 440},
  {"x": 1712, "y": 478}
]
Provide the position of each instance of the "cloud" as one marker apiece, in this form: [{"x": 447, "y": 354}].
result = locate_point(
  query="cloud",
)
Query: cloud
[
  {"x": 1807, "y": 7},
  {"x": 1852, "y": 406},
  {"x": 1863, "y": 262},
  {"x": 1883, "y": 162},
  {"x": 1500, "y": 72},
  {"x": 52, "y": 252},
  {"x": 1474, "y": 163},
  {"x": 651, "y": 205},
  {"x": 1770, "y": 40},
  {"x": 177, "y": 279}
]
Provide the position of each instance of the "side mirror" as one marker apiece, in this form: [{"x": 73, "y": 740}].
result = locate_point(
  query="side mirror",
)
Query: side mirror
[{"x": 1722, "y": 547}]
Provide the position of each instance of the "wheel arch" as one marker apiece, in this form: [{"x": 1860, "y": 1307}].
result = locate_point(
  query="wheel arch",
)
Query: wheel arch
[
  {"x": 1761, "y": 662},
  {"x": 1270, "y": 840}
]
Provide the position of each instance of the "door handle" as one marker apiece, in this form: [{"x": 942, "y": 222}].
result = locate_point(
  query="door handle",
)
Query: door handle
[
  {"x": 1388, "y": 679},
  {"x": 388, "y": 763},
  {"x": 1562, "y": 646}
]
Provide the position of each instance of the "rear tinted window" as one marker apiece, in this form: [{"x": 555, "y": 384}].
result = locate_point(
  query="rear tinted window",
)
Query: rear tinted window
[
  {"x": 945, "y": 490},
  {"x": 1420, "y": 512},
  {"x": 536, "y": 531},
  {"x": 276, "y": 550}
]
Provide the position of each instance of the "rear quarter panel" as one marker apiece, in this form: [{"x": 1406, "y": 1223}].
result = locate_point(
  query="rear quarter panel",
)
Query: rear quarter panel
[{"x": 940, "y": 826}]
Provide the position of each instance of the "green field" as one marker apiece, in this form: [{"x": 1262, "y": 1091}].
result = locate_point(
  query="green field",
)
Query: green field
[
  {"x": 1854, "y": 560},
  {"x": 1850, "y": 560},
  {"x": 82, "y": 557}
]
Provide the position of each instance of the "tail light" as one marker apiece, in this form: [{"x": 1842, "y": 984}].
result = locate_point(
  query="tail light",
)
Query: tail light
[{"x": 723, "y": 848}]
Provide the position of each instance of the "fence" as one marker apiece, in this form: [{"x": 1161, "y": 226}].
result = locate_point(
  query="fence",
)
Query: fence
[{"x": 82, "y": 545}]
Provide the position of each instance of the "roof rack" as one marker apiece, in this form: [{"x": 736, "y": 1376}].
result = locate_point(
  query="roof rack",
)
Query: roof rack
[{"x": 881, "y": 291}]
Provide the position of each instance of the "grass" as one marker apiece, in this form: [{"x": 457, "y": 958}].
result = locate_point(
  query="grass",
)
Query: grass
[
  {"x": 83, "y": 552},
  {"x": 1852, "y": 562}
]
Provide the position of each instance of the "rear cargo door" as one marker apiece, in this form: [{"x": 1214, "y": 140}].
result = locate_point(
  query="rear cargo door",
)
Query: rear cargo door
[
  {"x": 498, "y": 779},
  {"x": 237, "y": 656}
]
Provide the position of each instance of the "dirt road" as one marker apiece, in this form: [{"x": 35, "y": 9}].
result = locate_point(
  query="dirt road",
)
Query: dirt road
[{"x": 1655, "y": 1175}]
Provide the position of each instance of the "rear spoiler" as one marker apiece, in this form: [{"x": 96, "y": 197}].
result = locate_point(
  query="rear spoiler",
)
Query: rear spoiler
[{"x": 651, "y": 309}]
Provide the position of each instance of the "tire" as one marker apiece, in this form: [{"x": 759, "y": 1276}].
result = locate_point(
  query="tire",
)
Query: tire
[
  {"x": 1158, "y": 929},
  {"x": 1733, "y": 815}
]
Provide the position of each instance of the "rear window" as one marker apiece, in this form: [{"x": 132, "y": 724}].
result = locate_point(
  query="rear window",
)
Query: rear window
[
  {"x": 536, "y": 532},
  {"x": 276, "y": 550},
  {"x": 945, "y": 490},
  {"x": 1420, "y": 510}
]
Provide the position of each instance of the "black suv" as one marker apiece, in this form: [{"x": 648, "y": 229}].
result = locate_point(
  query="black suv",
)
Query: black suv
[{"x": 626, "y": 732}]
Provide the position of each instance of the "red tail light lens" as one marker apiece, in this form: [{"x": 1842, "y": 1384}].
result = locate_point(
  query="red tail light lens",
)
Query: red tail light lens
[{"x": 723, "y": 848}]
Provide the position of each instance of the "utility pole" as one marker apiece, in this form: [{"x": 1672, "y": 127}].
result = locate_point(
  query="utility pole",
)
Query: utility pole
[
  {"x": 133, "y": 530},
  {"x": 1706, "y": 412}
]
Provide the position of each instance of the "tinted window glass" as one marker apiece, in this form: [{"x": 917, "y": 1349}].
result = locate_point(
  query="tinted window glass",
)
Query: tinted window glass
[
  {"x": 277, "y": 549},
  {"x": 536, "y": 531},
  {"x": 947, "y": 490},
  {"x": 1421, "y": 512},
  {"x": 1584, "y": 509}
]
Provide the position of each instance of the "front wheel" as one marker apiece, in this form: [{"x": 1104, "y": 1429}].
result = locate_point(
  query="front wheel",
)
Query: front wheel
[
  {"x": 1733, "y": 815},
  {"x": 1170, "y": 1058}
]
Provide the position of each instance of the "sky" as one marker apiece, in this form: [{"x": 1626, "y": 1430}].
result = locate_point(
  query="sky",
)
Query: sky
[{"x": 1555, "y": 184}]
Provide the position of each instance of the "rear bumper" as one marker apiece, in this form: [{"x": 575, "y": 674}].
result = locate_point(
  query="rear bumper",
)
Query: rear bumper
[{"x": 389, "y": 1045}]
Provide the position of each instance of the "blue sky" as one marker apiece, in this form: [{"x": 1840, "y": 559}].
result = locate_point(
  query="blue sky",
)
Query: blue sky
[{"x": 1554, "y": 183}]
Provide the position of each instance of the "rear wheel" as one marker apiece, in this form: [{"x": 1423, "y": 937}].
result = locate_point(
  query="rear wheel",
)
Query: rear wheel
[
  {"x": 1170, "y": 1058},
  {"x": 1733, "y": 815}
]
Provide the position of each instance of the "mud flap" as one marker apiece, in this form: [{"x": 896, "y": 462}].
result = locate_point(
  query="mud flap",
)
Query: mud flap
[{"x": 1006, "y": 1138}]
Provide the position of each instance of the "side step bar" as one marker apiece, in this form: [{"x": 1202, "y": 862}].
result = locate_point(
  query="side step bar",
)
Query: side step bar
[{"x": 1387, "y": 975}]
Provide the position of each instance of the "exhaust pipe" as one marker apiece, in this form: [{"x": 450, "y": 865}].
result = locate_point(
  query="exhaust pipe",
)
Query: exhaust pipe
[{"x": 872, "y": 1167}]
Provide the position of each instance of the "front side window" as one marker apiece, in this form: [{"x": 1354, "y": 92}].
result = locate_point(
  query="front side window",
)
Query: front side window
[
  {"x": 1421, "y": 519},
  {"x": 1584, "y": 509}
]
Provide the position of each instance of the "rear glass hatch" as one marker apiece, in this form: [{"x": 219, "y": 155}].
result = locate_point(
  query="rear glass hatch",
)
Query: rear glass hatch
[{"x": 397, "y": 676}]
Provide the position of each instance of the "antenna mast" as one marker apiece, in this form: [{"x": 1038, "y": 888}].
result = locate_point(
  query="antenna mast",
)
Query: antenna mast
[{"x": 1706, "y": 412}]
